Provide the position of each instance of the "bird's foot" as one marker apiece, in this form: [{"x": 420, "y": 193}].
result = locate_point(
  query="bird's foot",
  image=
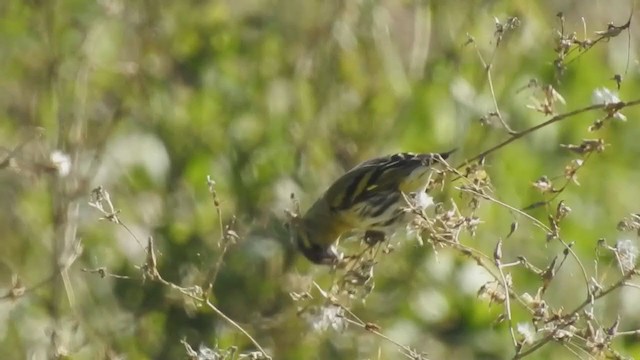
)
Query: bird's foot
[{"x": 372, "y": 237}]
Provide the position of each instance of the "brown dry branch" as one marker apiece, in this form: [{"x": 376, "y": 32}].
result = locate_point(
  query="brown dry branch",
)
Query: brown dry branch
[
  {"x": 444, "y": 228},
  {"x": 502, "y": 29},
  {"x": 572, "y": 314},
  {"x": 611, "y": 109},
  {"x": 228, "y": 238},
  {"x": 101, "y": 200},
  {"x": 337, "y": 316}
]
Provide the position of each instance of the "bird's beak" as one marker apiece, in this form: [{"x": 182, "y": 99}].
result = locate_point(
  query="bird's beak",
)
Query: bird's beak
[{"x": 446, "y": 155}]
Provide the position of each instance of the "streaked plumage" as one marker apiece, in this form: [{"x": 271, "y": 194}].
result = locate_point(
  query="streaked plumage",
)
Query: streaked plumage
[{"x": 370, "y": 197}]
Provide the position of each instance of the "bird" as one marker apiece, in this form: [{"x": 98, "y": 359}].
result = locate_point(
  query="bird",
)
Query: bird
[{"x": 371, "y": 197}]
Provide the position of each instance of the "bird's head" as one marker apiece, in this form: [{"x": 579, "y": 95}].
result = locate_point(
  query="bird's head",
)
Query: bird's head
[{"x": 306, "y": 240}]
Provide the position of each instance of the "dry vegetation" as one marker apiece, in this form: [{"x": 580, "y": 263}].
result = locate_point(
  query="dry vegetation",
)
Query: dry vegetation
[{"x": 192, "y": 130}]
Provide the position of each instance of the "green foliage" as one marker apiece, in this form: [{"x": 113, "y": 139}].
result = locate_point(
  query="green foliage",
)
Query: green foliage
[{"x": 273, "y": 98}]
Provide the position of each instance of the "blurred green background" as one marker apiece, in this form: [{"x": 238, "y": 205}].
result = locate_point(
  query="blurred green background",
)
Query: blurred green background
[{"x": 270, "y": 98}]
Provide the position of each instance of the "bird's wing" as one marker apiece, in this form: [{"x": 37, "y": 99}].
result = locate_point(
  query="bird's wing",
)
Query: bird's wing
[{"x": 374, "y": 177}]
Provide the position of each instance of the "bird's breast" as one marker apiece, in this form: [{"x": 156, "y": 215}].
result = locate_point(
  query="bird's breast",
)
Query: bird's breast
[{"x": 416, "y": 181}]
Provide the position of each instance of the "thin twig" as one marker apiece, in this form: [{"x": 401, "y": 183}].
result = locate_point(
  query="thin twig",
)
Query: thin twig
[
  {"x": 620, "y": 283},
  {"x": 559, "y": 117}
]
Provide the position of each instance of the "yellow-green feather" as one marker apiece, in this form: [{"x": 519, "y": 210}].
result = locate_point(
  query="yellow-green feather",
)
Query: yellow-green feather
[{"x": 336, "y": 211}]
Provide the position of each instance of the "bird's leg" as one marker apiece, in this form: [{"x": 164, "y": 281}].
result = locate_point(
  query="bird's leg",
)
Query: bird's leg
[{"x": 372, "y": 237}]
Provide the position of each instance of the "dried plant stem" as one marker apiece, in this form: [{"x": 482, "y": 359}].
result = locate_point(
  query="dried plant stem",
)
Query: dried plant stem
[
  {"x": 191, "y": 293},
  {"x": 407, "y": 351},
  {"x": 507, "y": 302},
  {"x": 559, "y": 117},
  {"x": 538, "y": 344}
]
